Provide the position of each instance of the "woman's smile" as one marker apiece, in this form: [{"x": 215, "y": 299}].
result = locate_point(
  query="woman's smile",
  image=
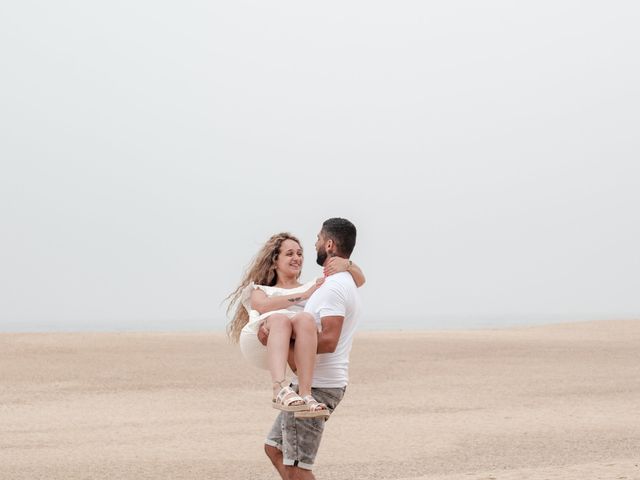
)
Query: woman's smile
[{"x": 290, "y": 258}]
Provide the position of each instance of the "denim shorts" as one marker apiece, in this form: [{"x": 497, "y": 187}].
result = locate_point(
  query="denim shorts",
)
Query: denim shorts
[{"x": 299, "y": 438}]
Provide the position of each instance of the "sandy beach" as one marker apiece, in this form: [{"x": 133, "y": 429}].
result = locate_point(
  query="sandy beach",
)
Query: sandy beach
[{"x": 547, "y": 402}]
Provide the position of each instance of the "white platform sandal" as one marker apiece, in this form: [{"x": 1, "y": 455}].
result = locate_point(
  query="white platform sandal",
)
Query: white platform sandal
[
  {"x": 314, "y": 409},
  {"x": 288, "y": 400}
]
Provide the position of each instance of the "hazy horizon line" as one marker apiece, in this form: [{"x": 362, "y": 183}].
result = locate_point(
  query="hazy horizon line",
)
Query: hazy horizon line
[{"x": 430, "y": 323}]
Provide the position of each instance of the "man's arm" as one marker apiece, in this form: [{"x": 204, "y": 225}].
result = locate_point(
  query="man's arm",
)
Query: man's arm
[{"x": 328, "y": 338}]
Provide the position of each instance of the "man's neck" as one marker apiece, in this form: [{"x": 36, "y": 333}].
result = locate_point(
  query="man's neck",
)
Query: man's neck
[{"x": 330, "y": 256}]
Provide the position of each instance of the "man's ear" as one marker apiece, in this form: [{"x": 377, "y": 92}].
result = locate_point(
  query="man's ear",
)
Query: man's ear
[{"x": 329, "y": 246}]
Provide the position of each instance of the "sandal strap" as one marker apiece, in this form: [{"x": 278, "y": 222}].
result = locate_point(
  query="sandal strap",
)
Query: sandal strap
[
  {"x": 286, "y": 396},
  {"x": 313, "y": 404}
]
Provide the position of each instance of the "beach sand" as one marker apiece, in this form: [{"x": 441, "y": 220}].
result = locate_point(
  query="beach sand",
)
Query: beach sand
[{"x": 546, "y": 402}]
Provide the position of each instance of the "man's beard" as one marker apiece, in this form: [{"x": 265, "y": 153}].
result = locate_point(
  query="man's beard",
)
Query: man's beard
[{"x": 322, "y": 256}]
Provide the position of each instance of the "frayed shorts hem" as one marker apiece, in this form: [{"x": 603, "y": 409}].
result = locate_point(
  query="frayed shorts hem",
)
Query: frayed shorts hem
[
  {"x": 287, "y": 461},
  {"x": 271, "y": 443},
  {"x": 295, "y": 463}
]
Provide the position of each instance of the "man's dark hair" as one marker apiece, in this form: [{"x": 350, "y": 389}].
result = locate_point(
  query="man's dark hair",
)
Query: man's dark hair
[{"x": 343, "y": 233}]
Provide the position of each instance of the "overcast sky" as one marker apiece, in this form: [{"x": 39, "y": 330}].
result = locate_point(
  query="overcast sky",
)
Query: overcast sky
[{"x": 488, "y": 153}]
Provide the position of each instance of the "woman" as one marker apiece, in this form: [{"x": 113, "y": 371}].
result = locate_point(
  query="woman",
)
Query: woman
[{"x": 270, "y": 292}]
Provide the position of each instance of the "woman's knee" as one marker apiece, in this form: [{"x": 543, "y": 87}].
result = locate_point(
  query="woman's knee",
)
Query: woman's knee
[
  {"x": 303, "y": 320},
  {"x": 278, "y": 319}
]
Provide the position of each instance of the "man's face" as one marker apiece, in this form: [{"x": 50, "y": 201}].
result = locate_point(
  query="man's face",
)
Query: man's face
[{"x": 321, "y": 249}]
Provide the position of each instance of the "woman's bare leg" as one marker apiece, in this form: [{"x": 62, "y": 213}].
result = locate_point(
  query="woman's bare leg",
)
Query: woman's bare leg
[
  {"x": 280, "y": 330},
  {"x": 305, "y": 350}
]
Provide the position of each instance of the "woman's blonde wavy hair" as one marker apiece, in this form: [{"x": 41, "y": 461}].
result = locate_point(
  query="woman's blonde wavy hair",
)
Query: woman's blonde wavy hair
[{"x": 261, "y": 272}]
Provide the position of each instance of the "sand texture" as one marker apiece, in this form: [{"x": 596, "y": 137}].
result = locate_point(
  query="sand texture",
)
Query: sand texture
[{"x": 550, "y": 402}]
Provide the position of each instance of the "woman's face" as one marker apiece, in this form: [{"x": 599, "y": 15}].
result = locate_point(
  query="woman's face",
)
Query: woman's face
[{"x": 289, "y": 262}]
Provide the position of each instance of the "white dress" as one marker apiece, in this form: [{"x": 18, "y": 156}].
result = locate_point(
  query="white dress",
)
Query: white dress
[{"x": 252, "y": 350}]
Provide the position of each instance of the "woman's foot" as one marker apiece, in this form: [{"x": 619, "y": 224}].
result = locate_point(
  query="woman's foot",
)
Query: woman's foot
[
  {"x": 314, "y": 409},
  {"x": 286, "y": 399}
]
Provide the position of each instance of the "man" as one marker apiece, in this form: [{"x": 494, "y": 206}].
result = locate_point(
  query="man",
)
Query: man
[{"x": 293, "y": 442}]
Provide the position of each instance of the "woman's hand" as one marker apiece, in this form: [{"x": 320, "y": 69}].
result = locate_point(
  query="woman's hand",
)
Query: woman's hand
[
  {"x": 316, "y": 286},
  {"x": 263, "y": 332},
  {"x": 336, "y": 265}
]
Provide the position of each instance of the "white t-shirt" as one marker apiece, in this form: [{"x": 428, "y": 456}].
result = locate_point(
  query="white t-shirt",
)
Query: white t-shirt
[{"x": 338, "y": 296}]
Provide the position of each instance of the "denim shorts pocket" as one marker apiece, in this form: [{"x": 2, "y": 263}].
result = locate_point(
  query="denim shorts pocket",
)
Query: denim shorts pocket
[{"x": 316, "y": 424}]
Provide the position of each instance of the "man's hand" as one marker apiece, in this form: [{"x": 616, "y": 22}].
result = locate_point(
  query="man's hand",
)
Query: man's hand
[
  {"x": 263, "y": 333},
  {"x": 291, "y": 360}
]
